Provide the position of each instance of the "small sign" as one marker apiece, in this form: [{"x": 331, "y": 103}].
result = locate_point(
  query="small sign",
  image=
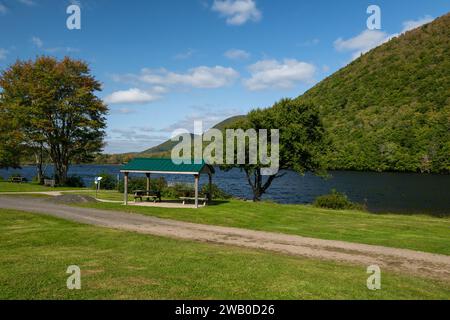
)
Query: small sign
[{"x": 97, "y": 180}]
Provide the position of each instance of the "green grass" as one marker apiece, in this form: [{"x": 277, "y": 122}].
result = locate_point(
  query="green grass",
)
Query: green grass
[
  {"x": 36, "y": 251},
  {"x": 416, "y": 232},
  {"x": 30, "y": 187}
]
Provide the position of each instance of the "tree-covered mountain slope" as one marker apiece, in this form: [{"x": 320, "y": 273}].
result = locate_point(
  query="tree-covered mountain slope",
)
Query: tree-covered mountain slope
[
  {"x": 390, "y": 108},
  {"x": 164, "y": 149}
]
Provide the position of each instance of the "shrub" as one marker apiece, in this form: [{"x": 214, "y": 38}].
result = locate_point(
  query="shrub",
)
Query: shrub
[
  {"x": 183, "y": 190},
  {"x": 74, "y": 182},
  {"x": 217, "y": 193},
  {"x": 158, "y": 184},
  {"x": 134, "y": 184},
  {"x": 337, "y": 201},
  {"x": 1, "y": 179}
]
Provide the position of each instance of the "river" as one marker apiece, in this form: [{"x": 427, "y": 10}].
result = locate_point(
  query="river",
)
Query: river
[{"x": 382, "y": 192}]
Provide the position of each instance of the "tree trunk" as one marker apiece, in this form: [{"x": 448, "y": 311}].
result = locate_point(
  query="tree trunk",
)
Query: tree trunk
[
  {"x": 258, "y": 188},
  {"x": 61, "y": 173},
  {"x": 60, "y": 162},
  {"x": 39, "y": 155}
]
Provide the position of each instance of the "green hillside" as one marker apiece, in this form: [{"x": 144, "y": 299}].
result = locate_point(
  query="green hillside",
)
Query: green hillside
[
  {"x": 164, "y": 149},
  {"x": 228, "y": 122},
  {"x": 390, "y": 109}
]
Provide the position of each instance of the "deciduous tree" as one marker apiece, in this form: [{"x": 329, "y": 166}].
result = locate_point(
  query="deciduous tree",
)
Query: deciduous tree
[
  {"x": 302, "y": 144},
  {"x": 54, "y": 106}
]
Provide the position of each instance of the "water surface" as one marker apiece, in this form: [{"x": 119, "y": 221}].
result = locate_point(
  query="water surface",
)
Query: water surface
[{"x": 382, "y": 192}]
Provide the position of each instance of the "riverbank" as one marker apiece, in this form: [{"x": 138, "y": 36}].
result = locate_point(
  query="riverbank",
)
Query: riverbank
[{"x": 380, "y": 192}]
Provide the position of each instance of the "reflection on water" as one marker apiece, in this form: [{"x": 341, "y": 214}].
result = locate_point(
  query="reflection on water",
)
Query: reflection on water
[{"x": 382, "y": 192}]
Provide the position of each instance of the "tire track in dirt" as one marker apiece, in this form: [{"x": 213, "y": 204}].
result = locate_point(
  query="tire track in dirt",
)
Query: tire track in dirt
[{"x": 402, "y": 260}]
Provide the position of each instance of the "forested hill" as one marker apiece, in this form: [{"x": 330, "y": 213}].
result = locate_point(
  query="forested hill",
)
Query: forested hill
[
  {"x": 390, "y": 108},
  {"x": 165, "y": 148}
]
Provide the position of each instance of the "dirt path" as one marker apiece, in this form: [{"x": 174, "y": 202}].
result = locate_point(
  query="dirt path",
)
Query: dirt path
[
  {"x": 421, "y": 263},
  {"x": 44, "y": 193}
]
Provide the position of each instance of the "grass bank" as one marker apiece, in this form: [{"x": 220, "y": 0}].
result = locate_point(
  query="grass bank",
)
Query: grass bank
[
  {"x": 416, "y": 232},
  {"x": 36, "y": 251}
]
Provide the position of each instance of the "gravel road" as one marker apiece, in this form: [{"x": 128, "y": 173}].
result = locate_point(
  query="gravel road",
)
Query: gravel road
[{"x": 402, "y": 260}]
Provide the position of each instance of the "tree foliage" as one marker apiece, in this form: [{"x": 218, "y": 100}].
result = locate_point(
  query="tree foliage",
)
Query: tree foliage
[
  {"x": 302, "y": 141},
  {"x": 390, "y": 109},
  {"x": 53, "y": 105},
  {"x": 10, "y": 140}
]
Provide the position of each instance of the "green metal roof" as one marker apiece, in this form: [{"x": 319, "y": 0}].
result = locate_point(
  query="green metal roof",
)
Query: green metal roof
[{"x": 162, "y": 166}]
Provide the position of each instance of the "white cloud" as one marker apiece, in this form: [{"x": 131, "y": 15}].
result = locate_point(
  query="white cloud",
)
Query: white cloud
[
  {"x": 369, "y": 39},
  {"x": 3, "y": 53},
  {"x": 279, "y": 74},
  {"x": 237, "y": 54},
  {"x": 185, "y": 55},
  {"x": 237, "y": 12},
  {"x": 206, "y": 114},
  {"x": 76, "y": 2},
  {"x": 37, "y": 42},
  {"x": 139, "y": 138},
  {"x": 160, "y": 81},
  {"x": 310, "y": 43},
  {"x": 131, "y": 96},
  {"x": 3, "y": 9},
  {"x": 131, "y": 140},
  {"x": 199, "y": 77},
  {"x": 27, "y": 2},
  {"x": 123, "y": 111},
  {"x": 413, "y": 24},
  {"x": 362, "y": 43},
  {"x": 61, "y": 49}
]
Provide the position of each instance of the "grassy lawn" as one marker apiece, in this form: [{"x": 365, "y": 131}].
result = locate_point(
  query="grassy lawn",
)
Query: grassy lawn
[
  {"x": 29, "y": 187},
  {"x": 416, "y": 232},
  {"x": 36, "y": 251}
]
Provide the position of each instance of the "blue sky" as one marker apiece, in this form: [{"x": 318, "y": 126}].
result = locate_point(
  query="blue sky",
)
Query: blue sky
[{"x": 165, "y": 63}]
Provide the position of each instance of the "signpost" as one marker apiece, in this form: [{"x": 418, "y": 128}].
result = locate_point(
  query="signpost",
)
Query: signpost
[{"x": 97, "y": 185}]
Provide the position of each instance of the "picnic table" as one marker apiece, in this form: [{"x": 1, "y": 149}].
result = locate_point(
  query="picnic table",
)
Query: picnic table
[
  {"x": 17, "y": 179},
  {"x": 203, "y": 199},
  {"x": 49, "y": 183},
  {"x": 147, "y": 194}
]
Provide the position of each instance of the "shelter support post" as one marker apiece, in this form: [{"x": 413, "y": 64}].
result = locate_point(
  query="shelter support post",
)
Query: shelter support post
[
  {"x": 148, "y": 181},
  {"x": 210, "y": 187},
  {"x": 125, "y": 188},
  {"x": 196, "y": 189}
]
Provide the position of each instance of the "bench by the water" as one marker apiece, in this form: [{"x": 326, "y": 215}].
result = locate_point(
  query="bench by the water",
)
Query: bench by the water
[
  {"x": 147, "y": 194},
  {"x": 17, "y": 179},
  {"x": 204, "y": 199},
  {"x": 49, "y": 183}
]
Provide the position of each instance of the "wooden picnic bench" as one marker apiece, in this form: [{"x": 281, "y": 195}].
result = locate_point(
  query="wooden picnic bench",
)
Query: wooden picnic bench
[
  {"x": 203, "y": 199},
  {"x": 148, "y": 195},
  {"x": 49, "y": 183},
  {"x": 17, "y": 179}
]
